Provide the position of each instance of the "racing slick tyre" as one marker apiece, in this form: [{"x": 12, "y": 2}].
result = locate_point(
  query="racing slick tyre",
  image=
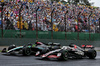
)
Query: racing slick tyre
[
  {"x": 26, "y": 51},
  {"x": 64, "y": 55},
  {"x": 92, "y": 54}
]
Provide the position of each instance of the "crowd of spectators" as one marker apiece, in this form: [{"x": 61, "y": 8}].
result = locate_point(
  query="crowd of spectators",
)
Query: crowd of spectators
[{"x": 77, "y": 19}]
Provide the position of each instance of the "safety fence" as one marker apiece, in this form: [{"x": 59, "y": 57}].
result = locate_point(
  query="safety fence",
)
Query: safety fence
[{"x": 47, "y": 35}]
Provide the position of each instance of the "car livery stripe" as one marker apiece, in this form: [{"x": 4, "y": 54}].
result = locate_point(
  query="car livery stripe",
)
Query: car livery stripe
[
  {"x": 51, "y": 52},
  {"x": 53, "y": 56},
  {"x": 15, "y": 49}
]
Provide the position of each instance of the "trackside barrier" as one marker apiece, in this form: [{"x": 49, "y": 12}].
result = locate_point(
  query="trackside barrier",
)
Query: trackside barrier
[{"x": 47, "y": 35}]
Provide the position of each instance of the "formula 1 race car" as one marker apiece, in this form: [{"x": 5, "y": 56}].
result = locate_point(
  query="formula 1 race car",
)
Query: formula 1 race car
[
  {"x": 71, "y": 51},
  {"x": 30, "y": 48}
]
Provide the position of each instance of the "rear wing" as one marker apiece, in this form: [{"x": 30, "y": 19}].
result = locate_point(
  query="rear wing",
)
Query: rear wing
[{"x": 87, "y": 46}]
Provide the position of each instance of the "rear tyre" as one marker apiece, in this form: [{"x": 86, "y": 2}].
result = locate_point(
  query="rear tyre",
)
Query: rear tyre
[{"x": 92, "y": 54}]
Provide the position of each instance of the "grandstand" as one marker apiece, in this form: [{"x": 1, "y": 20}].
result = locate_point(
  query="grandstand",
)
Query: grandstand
[{"x": 79, "y": 19}]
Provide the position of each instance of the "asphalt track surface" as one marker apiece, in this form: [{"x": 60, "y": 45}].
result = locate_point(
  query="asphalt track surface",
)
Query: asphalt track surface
[{"x": 33, "y": 61}]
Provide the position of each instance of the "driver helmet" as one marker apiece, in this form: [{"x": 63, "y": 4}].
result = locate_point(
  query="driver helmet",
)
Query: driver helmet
[
  {"x": 13, "y": 45},
  {"x": 71, "y": 45}
]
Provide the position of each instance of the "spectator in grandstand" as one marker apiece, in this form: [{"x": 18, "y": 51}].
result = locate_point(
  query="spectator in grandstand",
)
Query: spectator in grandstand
[{"x": 77, "y": 17}]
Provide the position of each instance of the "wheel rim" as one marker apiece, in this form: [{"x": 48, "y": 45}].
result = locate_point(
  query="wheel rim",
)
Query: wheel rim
[
  {"x": 94, "y": 54},
  {"x": 28, "y": 51},
  {"x": 65, "y": 56}
]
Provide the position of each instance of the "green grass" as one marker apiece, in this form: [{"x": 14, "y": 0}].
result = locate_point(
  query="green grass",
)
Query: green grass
[{"x": 0, "y": 50}]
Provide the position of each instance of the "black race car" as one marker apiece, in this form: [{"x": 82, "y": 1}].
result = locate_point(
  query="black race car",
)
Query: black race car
[
  {"x": 71, "y": 51},
  {"x": 31, "y": 48}
]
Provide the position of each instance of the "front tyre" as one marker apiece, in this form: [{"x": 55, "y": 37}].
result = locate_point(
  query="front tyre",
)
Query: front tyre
[{"x": 64, "y": 55}]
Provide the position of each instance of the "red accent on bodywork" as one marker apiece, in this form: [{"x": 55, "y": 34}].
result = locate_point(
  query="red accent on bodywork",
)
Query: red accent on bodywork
[
  {"x": 39, "y": 43},
  {"x": 36, "y": 55},
  {"x": 75, "y": 46},
  {"x": 43, "y": 55},
  {"x": 53, "y": 56},
  {"x": 89, "y": 46},
  {"x": 83, "y": 46}
]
